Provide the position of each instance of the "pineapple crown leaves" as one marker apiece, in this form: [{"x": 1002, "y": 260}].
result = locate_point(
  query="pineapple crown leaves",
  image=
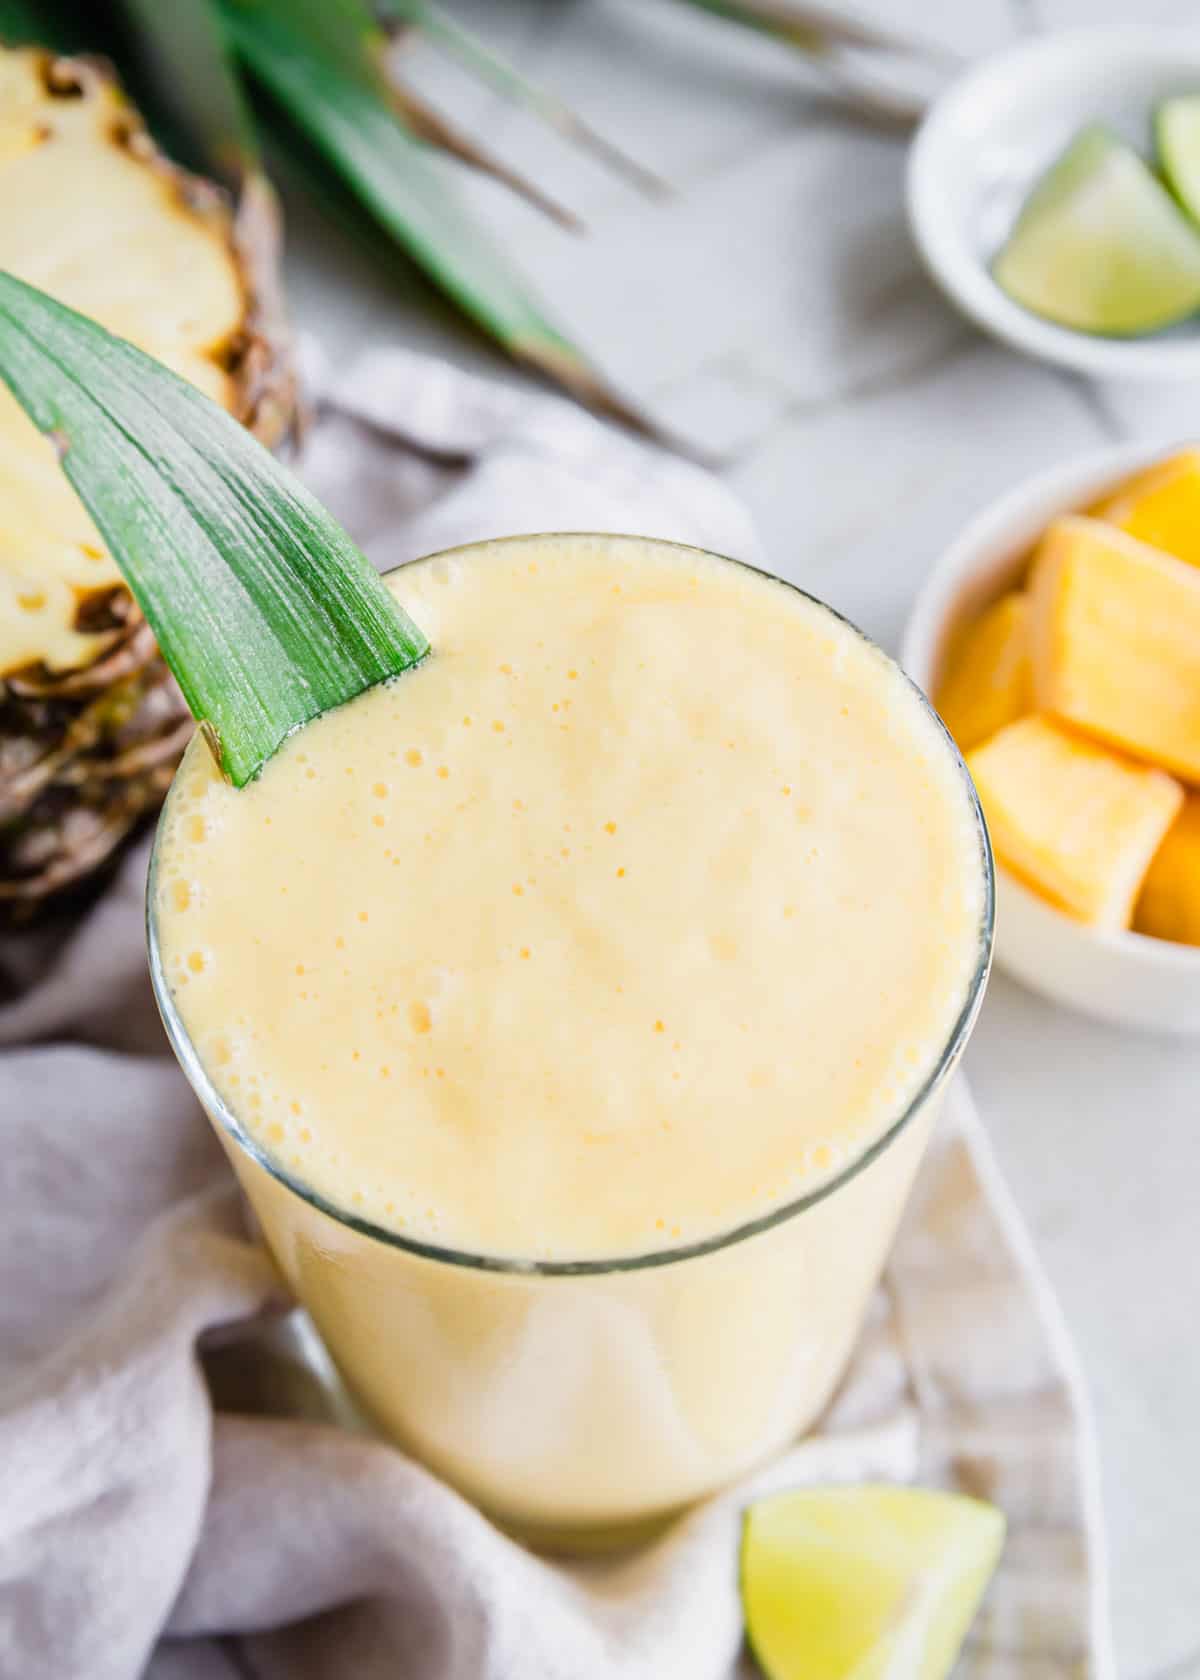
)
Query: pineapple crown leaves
[
  {"x": 330, "y": 82},
  {"x": 334, "y": 112},
  {"x": 265, "y": 610}
]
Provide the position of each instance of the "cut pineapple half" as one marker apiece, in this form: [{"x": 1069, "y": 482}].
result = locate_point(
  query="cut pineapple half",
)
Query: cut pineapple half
[
  {"x": 1169, "y": 906},
  {"x": 989, "y": 675},
  {"x": 1161, "y": 506},
  {"x": 1076, "y": 822},
  {"x": 865, "y": 1583},
  {"x": 1116, "y": 641},
  {"x": 87, "y": 215},
  {"x": 91, "y": 212}
]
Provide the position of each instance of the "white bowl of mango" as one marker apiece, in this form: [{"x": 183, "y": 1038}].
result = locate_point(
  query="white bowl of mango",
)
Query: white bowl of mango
[{"x": 1060, "y": 640}]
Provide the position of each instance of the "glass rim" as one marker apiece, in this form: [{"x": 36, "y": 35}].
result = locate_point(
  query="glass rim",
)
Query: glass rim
[{"x": 221, "y": 1113}]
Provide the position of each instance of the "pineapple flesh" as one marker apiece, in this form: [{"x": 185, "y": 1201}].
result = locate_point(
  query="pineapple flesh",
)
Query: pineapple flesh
[
  {"x": 1075, "y": 821},
  {"x": 988, "y": 681},
  {"x": 1115, "y": 633},
  {"x": 1076, "y": 700},
  {"x": 90, "y": 724},
  {"x": 1169, "y": 906},
  {"x": 1161, "y": 506}
]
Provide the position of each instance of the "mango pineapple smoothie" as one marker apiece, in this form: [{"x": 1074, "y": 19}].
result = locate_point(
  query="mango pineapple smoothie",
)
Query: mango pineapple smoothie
[{"x": 645, "y": 909}]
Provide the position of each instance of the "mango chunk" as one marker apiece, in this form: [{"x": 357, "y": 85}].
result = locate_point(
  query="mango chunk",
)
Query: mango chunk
[
  {"x": 1169, "y": 906},
  {"x": 1161, "y": 506},
  {"x": 989, "y": 675},
  {"x": 1115, "y": 635},
  {"x": 1076, "y": 822}
]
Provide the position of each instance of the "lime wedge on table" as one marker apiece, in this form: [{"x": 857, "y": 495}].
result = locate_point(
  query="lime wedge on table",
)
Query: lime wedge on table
[
  {"x": 1177, "y": 135},
  {"x": 864, "y": 1583},
  {"x": 1101, "y": 245}
]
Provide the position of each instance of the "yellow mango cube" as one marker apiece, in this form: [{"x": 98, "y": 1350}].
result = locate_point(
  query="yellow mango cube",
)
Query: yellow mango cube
[
  {"x": 1076, "y": 822},
  {"x": 1115, "y": 638},
  {"x": 988, "y": 680},
  {"x": 1169, "y": 906},
  {"x": 1161, "y": 506}
]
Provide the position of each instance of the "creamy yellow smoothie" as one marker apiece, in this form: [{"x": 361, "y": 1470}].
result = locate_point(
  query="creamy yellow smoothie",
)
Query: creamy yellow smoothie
[{"x": 645, "y": 908}]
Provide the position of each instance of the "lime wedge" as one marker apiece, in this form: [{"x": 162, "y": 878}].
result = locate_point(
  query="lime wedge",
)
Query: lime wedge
[
  {"x": 864, "y": 1583},
  {"x": 1101, "y": 245},
  {"x": 1177, "y": 135}
]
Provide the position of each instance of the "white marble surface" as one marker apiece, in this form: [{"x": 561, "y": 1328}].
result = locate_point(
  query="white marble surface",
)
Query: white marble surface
[{"x": 775, "y": 309}]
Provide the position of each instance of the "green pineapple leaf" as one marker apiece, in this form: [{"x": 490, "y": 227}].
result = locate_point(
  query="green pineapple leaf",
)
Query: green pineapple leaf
[
  {"x": 264, "y": 609},
  {"x": 321, "y": 60}
]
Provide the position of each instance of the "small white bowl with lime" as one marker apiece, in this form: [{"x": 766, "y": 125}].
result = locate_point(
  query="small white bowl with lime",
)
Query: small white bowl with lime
[{"x": 1054, "y": 194}]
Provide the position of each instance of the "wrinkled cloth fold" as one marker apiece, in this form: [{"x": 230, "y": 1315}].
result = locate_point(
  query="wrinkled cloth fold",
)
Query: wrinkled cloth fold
[{"x": 183, "y": 1493}]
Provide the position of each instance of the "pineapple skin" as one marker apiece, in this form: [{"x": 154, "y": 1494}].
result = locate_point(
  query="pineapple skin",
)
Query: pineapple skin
[
  {"x": 1169, "y": 905},
  {"x": 1115, "y": 632},
  {"x": 1074, "y": 821},
  {"x": 91, "y": 725}
]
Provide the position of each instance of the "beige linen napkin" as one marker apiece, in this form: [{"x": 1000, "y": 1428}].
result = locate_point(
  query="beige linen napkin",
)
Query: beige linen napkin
[{"x": 144, "y": 1531}]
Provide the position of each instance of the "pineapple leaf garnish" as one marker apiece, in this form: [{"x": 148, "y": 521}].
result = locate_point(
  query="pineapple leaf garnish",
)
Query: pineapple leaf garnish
[{"x": 264, "y": 609}]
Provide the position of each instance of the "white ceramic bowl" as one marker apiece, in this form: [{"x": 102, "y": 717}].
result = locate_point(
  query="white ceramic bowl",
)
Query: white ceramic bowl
[
  {"x": 993, "y": 132},
  {"x": 1126, "y": 978}
]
